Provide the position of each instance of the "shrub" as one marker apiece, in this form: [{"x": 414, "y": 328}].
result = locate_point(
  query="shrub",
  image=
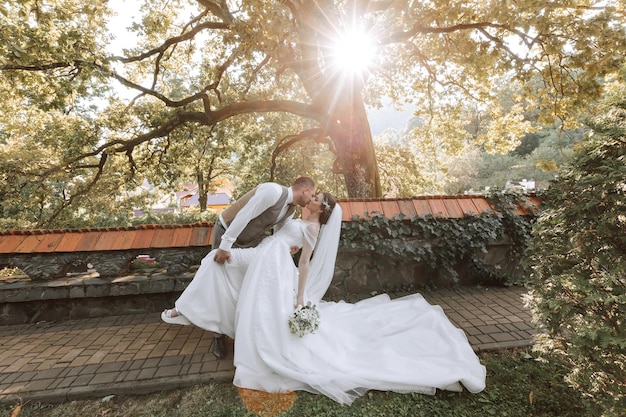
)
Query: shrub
[{"x": 577, "y": 260}]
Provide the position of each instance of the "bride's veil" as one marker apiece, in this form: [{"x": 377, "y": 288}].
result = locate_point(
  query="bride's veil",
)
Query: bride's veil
[{"x": 322, "y": 267}]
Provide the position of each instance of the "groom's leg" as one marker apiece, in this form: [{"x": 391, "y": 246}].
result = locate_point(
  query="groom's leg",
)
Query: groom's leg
[
  {"x": 219, "y": 346},
  {"x": 235, "y": 270},
  {"x": 219, "y": 340}
]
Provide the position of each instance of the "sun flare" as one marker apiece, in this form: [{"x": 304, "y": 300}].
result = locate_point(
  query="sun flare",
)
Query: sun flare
[{"x": 354, "y": 51}]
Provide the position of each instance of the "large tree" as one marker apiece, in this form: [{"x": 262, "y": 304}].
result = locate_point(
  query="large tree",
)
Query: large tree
[{"x": 205, "y": 62}]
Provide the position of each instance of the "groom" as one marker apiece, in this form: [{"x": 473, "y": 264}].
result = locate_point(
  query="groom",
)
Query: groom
[{"x": 248, "y": 220}]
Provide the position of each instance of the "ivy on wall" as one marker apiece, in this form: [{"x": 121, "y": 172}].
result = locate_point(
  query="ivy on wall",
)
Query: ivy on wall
[{"x": 443, "y": 243}]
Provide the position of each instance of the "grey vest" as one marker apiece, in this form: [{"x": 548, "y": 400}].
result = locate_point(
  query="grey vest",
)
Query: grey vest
[{"x": 258, "y": 227}]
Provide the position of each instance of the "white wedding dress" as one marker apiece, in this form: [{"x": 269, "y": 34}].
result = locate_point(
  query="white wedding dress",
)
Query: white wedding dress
[
  {"x": 402, "y": 345},
  {"x": 210, "y": 299}
]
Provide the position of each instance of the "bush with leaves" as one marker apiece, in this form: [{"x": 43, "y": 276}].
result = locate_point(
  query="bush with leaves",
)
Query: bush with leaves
[
  {"x": 442, "y": 244},
  {"x": 577, "y": 260}
]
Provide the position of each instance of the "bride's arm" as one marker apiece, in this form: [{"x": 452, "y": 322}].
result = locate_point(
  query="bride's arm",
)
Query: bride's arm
[{"x": 303, "y": 265}]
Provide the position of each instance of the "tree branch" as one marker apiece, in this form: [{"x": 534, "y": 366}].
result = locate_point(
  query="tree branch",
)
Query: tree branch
[
  {"x": 500, "y": 44},
  {"x": 419, "y": 29},
  {"x": 255, "y": 71},
  {"x": 219, "y": 8},
  {"x": 45, "y": 67},
  {"x": 79, "y": 193},
  {"x": 171, "y": 41},
  {"x": 290, "y": 140},
  {"x": 213, "y": 117}
]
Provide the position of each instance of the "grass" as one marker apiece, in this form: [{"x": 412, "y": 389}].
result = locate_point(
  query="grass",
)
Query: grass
[{"x": 518, "y": 384}]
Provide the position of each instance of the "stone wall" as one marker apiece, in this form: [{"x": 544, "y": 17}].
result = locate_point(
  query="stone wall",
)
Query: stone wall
[
  {"x": 150, "y": 290},
  {"x": 90, "y": 272},
  {"x": 367, "y": 272}
]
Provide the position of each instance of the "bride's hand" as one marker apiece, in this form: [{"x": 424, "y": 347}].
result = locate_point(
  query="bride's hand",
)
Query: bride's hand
[{"x": 294, "y": 250}]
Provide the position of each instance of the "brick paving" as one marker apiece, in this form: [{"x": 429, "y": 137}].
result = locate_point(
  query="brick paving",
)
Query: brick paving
[{"x": 138, "y": 354}]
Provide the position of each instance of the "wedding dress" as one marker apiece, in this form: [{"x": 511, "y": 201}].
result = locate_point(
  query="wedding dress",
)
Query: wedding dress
[
  {"x": 402, "y": 345},
  {"x": 210, "y": 299}
]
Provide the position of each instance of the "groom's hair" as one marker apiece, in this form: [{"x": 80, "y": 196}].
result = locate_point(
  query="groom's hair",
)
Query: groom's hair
[{"x": 303, "y": 182}]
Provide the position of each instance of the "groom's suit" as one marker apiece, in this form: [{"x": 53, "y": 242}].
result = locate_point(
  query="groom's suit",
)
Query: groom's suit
[{"x": 247, "y": 221}]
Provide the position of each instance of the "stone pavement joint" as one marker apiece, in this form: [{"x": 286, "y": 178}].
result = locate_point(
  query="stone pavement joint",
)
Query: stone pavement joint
[{"x": 139, "y": 354}]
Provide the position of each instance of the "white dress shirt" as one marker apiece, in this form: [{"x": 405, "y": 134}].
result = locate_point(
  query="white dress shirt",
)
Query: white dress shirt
[{"x": 266, "y": 195}]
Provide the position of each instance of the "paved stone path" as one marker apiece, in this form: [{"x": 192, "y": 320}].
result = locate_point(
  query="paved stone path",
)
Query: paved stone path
[{"x": 138, "y": 354}]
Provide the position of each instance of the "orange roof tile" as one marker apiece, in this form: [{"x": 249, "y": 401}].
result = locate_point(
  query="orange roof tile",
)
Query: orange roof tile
[
  {"x": 372, "y": 206},
  {"x": 422, "y": 208},
  {"x": 453, "y": 208},
  {"x": 125, "y": 239},
  {"x": 181, "y": 237},
  {"x": 200, "y": 234},
  {"x": 88, "y": 241},
  {"x": 468, "y": 207},
  {"x": 357, "y": 208},
  {"x": 162, "y": 238},
  {"x": 390, "y": 207},
  {"x": 49, "y": 242},
  {"x": 10, "y": 242},
  {"x": 346, "y": 213},
  {"x": 29, "y": 243},
  {"x": 69, "y": 242},
  {"x": 481, "y": 204},
  {"x": 406, "y": 207},
  {"x": 143, "y": 239},
  {"x": 107, "y": 239},
  {"x": 437, "y": 208}
]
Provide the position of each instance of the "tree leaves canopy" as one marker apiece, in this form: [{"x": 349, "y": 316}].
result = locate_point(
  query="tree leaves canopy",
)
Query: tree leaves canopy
[{"x": 211, "y": 62}]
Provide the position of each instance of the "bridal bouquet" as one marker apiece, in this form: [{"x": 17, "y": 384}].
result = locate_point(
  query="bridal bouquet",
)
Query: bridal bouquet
[{"x": 304, "y": 320}]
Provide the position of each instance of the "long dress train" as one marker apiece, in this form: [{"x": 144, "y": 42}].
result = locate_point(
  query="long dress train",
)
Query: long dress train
[{"x": 402, "y": 345}]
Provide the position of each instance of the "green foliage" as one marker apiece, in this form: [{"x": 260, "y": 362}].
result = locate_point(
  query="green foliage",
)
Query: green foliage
[
  {"x": 188, "y": 216},
  {"x": 537, "y": 158},
  {"x": 8, "y": 271},
  {"x": 578, "y": 262},
  {"x": 400, "y": 172},
  {"x": 257, "y": 161},
  {"x": 190, "y": 65},
  {"x": 442, "y": 244}
]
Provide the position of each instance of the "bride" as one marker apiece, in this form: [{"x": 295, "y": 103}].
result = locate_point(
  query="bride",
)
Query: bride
[{"x": 403, "y": 345}]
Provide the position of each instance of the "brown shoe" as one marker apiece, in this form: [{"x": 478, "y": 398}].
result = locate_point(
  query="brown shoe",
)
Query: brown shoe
[{"x": 219, "y": 346}]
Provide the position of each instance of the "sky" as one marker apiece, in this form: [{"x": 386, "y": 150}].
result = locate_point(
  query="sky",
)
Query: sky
[
  {"x": 126, "y": 10},
  {"x": 387, "y": 117}
]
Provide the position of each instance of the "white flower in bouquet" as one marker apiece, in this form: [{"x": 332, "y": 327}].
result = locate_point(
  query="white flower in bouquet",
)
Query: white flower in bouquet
[{"x": 304, "y": 320}]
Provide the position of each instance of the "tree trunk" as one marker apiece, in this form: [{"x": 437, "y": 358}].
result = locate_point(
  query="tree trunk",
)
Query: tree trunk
[
  {"x": 337, "y": 94},
  {"x": 356, "y": 158},
  {"x": 203, "y": 190}
]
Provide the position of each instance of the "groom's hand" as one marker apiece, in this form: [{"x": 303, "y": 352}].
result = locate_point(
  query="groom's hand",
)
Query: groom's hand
[{"x": 221, "y": 256}]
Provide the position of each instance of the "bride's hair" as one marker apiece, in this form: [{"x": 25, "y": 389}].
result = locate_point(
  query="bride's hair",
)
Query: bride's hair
[{"x": 328, "y": 204}]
